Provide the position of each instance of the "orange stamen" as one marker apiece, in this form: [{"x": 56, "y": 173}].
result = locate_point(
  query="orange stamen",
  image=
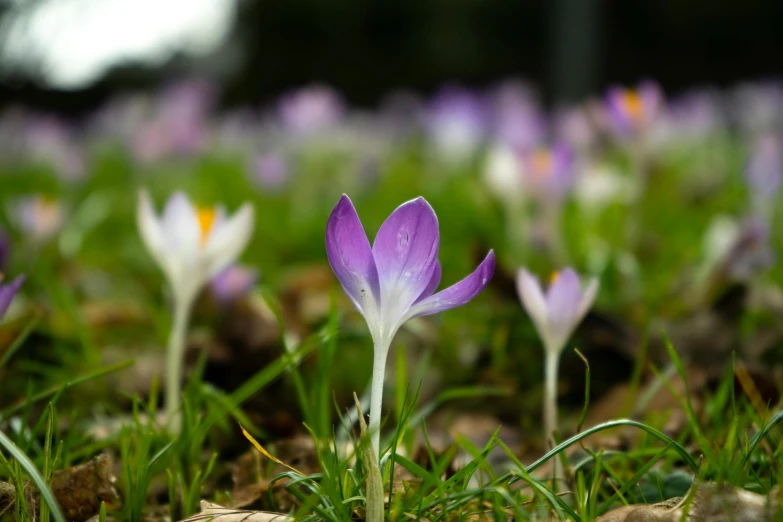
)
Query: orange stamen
[
  {"x": 206, "y": 218},
  {"x": 554, "y": 277},
  {"x": 542, "y": 161},
  {"x": 632, "y": 103}
]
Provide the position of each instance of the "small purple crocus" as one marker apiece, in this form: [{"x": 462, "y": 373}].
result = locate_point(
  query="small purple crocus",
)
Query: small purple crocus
[
  {"x": 456, "y": 123},
  {"x": 269, "y": 171},
  {"x": 695, "y": 115},
  {"x": 764, "y": 172},
  {"x": 555, "y": 315},
  {"x": 517, "y": 119},
  {"x": 7, "y": 293},
  {"x": 38, "y": 216},
  {"x": 631, "y": 111},
  {"x": 549, "y": 173},
  {"x": 395, "y": 279},
  {"x": 311, "y": 109},
  {"x": 233, "y": 283},
  {"x": 574, "y": 126}
]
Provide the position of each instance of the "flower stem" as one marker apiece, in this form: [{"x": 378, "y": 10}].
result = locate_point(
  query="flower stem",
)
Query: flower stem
[
  {"x": 550, "y": 407},
  {"x": 550, "y": 392},
  {"x": 174, "y": 361},
  {"x": 380, "y": 351}
]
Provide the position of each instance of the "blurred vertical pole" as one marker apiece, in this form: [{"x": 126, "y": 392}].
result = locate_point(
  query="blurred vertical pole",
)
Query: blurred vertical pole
[{"x": 575, "y": 49}]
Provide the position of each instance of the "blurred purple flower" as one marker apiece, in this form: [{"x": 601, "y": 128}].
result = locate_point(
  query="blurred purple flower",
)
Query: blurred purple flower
[
  {"x": 269, "y": 171},
  {"x": 49, "y": 139},
  {"x": 7, "y": 293},
  {"x": 630, "y": 112},
  {"x": 456, "y": 122},
  {"x": 764, "y": 169},
  {"x": 557, "y": 312},
  {"x": 696, "y": 115},
  {"x": 572, "y": 125},
  {"x": 517, "y": 119},
  {"x": 39, "y": 217},
  {"x": 311, "y": 109},
  {"x": 549, "y": 173},
  {"x": 179, "y": 126},
  {"x": 233, "y": 283}
]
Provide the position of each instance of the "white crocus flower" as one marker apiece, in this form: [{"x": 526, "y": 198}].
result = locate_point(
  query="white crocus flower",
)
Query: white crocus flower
[
  {"x": 503, "y": 174},
  {"x": 191, "y": 245}
]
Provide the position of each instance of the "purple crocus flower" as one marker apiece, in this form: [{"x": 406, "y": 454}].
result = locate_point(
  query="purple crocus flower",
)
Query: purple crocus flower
[
  {"x": 456, "y": 123},
  {"x": 517, "y": 118},
  {"x": 696, "y": 115},
  {"x": 573, "y": 125},
  {"x": 311, "y": 109},
  {"x": 7, "y": 293},
  {"x": 269, "y": 171},
  {"x": 38, "y": 216},
  {"x": 631, "y": 111},
  {"x": 395, "y": 279},
  {"x": 555, "y": 315},
  {"x": 233, "y": 283},
  {"x": 549, "y": 173},
  {"x": 764, "y": 170}
]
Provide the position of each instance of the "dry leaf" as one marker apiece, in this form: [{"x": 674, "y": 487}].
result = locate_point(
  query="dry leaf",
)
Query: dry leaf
[
  {"x": 217, "y": 513},
  {"x": 81, "y": 489},
  {"x": 710, "y": 503}
]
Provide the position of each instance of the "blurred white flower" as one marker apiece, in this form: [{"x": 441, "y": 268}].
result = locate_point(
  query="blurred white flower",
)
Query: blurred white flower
[
  {"x": 503, "y": 174},
  {"x": 600, "y": 185},
  {"x": 192, "y": 245}
]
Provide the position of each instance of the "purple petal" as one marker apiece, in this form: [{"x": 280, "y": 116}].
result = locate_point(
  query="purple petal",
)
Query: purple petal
[
  {"x": 652, "y": 100},
  {"x": 591, "y": 290},
  {"x": 432, "y": 285},
  {"x": 406, "y": 253},
  {"x": 233, "y": 283},
  {"x": 7, "y": 293},
  {"x": 350, "y": 256},
  {"x": 563, "y": 300},
  {"x": 617, "y": 112},
  {"x": 459, "y": 293},
  {"x": 532, "y": 298}
]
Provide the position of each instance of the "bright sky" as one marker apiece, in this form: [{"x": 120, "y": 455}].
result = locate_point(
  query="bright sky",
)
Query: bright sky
[{"x": 76, "y": 41}]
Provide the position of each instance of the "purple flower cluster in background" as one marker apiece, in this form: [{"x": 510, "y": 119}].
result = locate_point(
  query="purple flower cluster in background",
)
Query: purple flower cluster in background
[{"x": 455, "y": 124}]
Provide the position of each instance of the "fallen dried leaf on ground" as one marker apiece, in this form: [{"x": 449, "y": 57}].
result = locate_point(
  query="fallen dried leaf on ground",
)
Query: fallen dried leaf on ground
[
  {"x": 79, "y": 490},
  {"x": 710, "y": 503},
  {"x": 220, "y": 514}
]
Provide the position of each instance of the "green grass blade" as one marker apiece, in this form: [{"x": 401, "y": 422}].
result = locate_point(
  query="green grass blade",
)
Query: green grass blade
[{"x": 35, "y": 476}]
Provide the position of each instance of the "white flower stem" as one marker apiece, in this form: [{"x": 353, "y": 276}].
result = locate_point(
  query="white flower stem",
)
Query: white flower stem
[
  {"x": 174, "y": 361},
  {"x": 552, "y": 359},
  {"x": 380, "y": 351}
]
